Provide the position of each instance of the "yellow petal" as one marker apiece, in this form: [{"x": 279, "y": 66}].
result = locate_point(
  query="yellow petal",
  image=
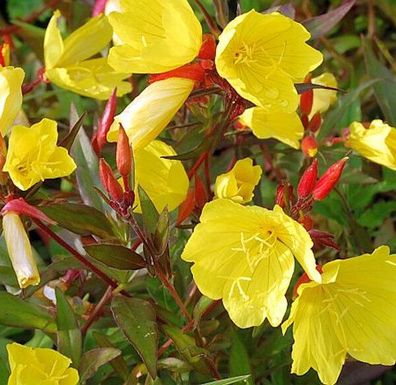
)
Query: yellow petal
[
  {"x": 165, "y": 181},
  {"x": 323, "y": 98},
  {"x": 376, "y": 143},
  {"x": 150, "y": 112},
  {"x": 261, "y": 56},
  {"x": 10, "y": 96},
  {"x": 20, "y": 251},
  {"x": 264, "y": 123},
  {"x": 53, "y": 42},
  {"x": 154, "y": 37}
]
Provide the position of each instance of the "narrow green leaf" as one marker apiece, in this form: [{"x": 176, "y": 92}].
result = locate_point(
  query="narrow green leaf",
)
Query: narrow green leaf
[
  {"x": 68, "y": 141},
  {"x": 69, "y": 334},
  {"x": 239, "y": 358},
  {"x": 137, "y": 320},
  {"x": 80, "y": 219},
  {"x": 116, "y": 256},
  {"x": 149, "y": 212},
  {"x": 92, "y": 360},
  {"x": 20, "y": 313},
  {"x": 229, "y": 381}
]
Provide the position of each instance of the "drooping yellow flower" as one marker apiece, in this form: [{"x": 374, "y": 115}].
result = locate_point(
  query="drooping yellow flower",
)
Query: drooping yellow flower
[
  {"x": 376, "y": 143},
  {"x": 10, "y": 96},
  {"x": 34, "y": 156},
  {"x": 164, "y": 180},
  {"x": 67, "y": 62},
  {"x": 238, "y": 183},
  {"x": 351, "y": 312},
  {"x": 34, "y": 366},
  {"x": 322, "y": 98},
  {"x": 263, "y": 55},
  {"x": 150, "y": 112},
  {"x": 20, "y": 250},
  {"x": 265, "y": 123},
  {"x": 244, "y": 256},
  {"x": 154, "y": 36}
]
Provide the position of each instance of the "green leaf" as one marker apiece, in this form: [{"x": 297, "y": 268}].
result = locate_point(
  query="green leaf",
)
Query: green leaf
[
  {"x": 69, "y": 334},
  {"x": 116, "y": 256},
  {"x": 149, "y": 212},
  {"x": 375, "y": 216},
  {"x": 137, "y": 320},
  {"x": 384, "y": 89},
  {"x": 239, "y": 358},
  {"x": 33, "y": 36},
  {"x": 20, "y": 313},
  {"x": 67, "y": 142},
  {"x": 229, "y": 381},
  {"x": 92, "y": 360},
  {"x": 80, "y": 219}
]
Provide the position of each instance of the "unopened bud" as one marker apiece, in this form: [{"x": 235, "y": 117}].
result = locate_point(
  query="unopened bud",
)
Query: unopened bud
[
  {"x": 208, "y": 47},
  {"x": 309, "y": 146},
  {"x": 106, "y": 121},
  {"x": 315, "y": 122},
  {"x": 20, "y": 250},
  {"x": 306, "y": 98},
  {"x": 109, "y": 181},
  {"x": 123, "y": 154},
  {"x": 308, "y": 180},
  {"x": 328, "y": 180},
  {"x": 284, "y": 195},
  {"x": 4, "y": 55},
  {"x": 20, "y": 206}
]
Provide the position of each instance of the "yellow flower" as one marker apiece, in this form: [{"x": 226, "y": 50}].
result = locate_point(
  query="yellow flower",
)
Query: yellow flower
[
  {"x": 376, "y": 143},
  {"x": 238, "y": 183},
  {"x": 165, "y": 181},
  {"x": 262, "y": 56},
  {"x": 284, "y": 126},
  {"x": 149, "y": 113},
  {"x": 33, "y": 155},
  {"x": 154, "y": 36},
  {"x": 20, "y": 251},
  {"x": 67, "y": 64},
  {"x": 10, "y": 96},
  {"x": 323, "y": 98},
  {"x": 351, "y": 312},
  {"x": 244, "y": 255},
  {"x": 34, "y": 366}
]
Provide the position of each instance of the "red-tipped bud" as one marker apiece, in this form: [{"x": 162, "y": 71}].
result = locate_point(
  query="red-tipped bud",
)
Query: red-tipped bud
[
  {"x": 315, "y": 123},
  {"x": 186, "y": 208},
  {"x": 304, "y": 279},
  {"x": 109, "y": 181},
  {"x": 106, "y": 121},
  {"x": 21, "y": 207},
  {"x": 308, "y": 180},
  {"x": 305, "y": 121},
  {"x": 306, "y": 99},
  {"x": 99, "y": 7},
  {"x": 208, "y": 47},
  {"x": 123, "y": 154},
  {"x": 328, "y": 180},
  {"x": 309, "y": 146},
  {"x": 284, "y": 195}
]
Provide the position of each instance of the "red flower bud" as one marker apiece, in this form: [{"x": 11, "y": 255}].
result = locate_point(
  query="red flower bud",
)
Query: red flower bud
[
  {"x": 186, "y": 208},
  {"x": 315, "y": 123},
  {"x": 123, "y": 154},
  {"x": 98, "y": 7},
  {"x": 328, "y": 180},
  {"x": 106, "y": 121},
  {"x": 309, "y": 146},
  {"x": 306, "y": 98},
  {"x": 109, "y": 181},
  {"x": 20, "y": 206},
  {"x": 308, "y": 180},
  {"x": 284, "y": 195},
  {"x": 208, "y": 47},
  {"x": 201, "y": 195}
]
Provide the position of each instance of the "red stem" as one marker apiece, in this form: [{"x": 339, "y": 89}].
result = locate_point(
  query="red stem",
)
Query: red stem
[{"x": 197, "y": 164}]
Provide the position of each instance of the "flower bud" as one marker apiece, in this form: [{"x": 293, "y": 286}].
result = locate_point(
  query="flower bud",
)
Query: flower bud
[
  {"x": 315, "y": 122},
  {"x": 328, "y": 180},
  {"x": 306, "y": 102},
  {"x": 284, "y": 195},
  {"x": 106, "y": 121},
  {"x": 208, "y": 47},
  {"x": 109, "y": 181},
  {"x": 308, "y": 180},
  {"x": 201, "y": 195},
  {"x": 123, "y": 154},
  {"x": 20, "y": 251},
  {"x": 309, "y": 146},
  {"x": 20, "y": 206}
]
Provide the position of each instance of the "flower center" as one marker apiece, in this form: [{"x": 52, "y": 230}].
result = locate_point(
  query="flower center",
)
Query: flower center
[{"x": 245, "y": 54}]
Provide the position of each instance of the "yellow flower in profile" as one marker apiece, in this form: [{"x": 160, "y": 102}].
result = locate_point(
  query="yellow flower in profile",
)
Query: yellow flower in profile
[
  {"x": 351, "y": 312},
  {"x": 34, "y": 366},
  {"x": 164, "y": 180},
  {"x": 150, "y": 112},
  {"x": 10, "y": 96},
  {"x": 265, "y": 124},
  {"x": 238, "y": 183},
  {"x": 376, "y": 143},
  {"x": 34, "y": 156},
  {"x": 322, "y": 98},
  {"x": 154, "y": 36},
  {"x": 20, "y": 250},
  {"x": 244, "y": 256},
  {"x": 67, "y": 62},
  {"x": 263, "y": 55}
]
